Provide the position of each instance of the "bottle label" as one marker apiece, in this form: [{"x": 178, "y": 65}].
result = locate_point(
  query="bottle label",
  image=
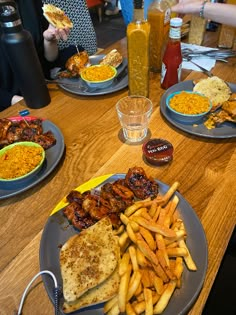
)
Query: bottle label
[
  {"x": 175, "y": 32},
  {"x": 167, "y": 16},
  {"x": 163, "y": 72}
]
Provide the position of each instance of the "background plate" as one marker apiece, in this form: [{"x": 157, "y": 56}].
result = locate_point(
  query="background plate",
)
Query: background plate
[
  {"x": 110, "y": 89},
  {"x": 53, "y": 156},
  {"x": 225, "y": 130},
  {"x": 57, "y": 231}
]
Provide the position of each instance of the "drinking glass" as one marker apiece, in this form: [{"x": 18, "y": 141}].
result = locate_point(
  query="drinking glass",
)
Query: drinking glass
[{"x": 134, "y": 113}]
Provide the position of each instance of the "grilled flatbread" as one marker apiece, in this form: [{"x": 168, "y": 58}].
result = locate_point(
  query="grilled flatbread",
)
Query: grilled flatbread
[
  {"x": 87, "y": 259},
  {"x": 56, "y": 16},
  {"x": 99, "y": 294},
  {"x": 215, "y": 89},
  {"x": 113, "y": 58}
]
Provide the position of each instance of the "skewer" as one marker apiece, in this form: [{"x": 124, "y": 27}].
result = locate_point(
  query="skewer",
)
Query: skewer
[
  {"x": 23, "y": 113},
  {"x": 76, "y": 46}
]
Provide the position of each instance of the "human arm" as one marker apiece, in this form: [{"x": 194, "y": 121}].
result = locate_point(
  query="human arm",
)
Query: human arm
[
  {"x": 217, "y": 12},
  {"x": 51, "y": 37}
]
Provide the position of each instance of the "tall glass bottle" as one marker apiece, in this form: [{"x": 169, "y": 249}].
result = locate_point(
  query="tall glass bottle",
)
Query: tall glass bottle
[
  {"x": 172, "y": 59},
  {"x": 138, "y": 33},
  {"x": 20, "y": 50},
  {"x": 159, "y": 18}
]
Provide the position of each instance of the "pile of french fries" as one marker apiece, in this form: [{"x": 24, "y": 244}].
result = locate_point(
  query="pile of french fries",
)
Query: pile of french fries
[{"x": 153, "y": 247}]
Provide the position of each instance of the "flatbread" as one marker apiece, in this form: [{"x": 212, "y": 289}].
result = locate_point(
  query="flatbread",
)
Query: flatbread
[
  {"x": 99, "y": 294},
  {"x": 88, "y": 258},
  {"x": 215, "y": 89},
  {"x": 56, "y": 16},
  {"x": 113, "y": 58}
]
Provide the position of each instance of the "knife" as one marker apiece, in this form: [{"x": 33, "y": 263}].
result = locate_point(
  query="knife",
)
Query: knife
[{"x": 121, "y": 75}]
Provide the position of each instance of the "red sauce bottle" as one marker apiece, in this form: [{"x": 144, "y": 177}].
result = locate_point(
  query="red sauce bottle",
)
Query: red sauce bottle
[{"x": 172, "y": 59}]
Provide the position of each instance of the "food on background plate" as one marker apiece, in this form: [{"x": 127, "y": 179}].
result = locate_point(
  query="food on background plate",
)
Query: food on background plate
[
  {"x": 215, "y": 89},
  {"x": 189, "y": 103},
  {"x": 89, "y": 207},
  {"x": 56, "y": 16},
  {"x": 227, "y": 113},
  {"x": 25, "y": 130},
  {"x": 97, "y": 73},
  {"x": 74, "y": 65},
  {"x": 113, "y": 58},
  {"x": 88, "y": 259},
  {"x": 19, "y": 160}
]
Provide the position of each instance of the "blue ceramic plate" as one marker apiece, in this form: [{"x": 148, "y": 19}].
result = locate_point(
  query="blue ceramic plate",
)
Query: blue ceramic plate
[
  {"x": 225, "y": 130},
  {"x": 57, "y": 231},
  {"x": 52, "y": 158}
]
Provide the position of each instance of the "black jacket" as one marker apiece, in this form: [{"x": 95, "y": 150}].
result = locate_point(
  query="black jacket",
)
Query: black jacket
[{"x": 32, "y": 20}]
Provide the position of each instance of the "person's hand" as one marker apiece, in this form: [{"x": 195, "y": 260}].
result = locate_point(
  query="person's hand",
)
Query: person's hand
[
  {"x": 187, "y": 6},
  {"x": 54, "y": 34}
]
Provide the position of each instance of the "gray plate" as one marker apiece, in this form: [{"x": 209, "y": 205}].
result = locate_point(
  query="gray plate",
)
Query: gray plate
[
  {"x": 53, "y": 156},
  {"x": 123, "y": 83},
  {"x": 57, "y": 232},
  {"x": 225, "y": 130}
]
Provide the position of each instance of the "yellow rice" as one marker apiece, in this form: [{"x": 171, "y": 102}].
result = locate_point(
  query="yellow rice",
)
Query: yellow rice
[
  {"x": 19, "y": 160},
  {"x": 189, "y": 103},
  {"x": 98, "y": 73}
]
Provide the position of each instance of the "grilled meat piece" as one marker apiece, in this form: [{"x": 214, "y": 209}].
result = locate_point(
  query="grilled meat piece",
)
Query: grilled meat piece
[
  {"x": 15, "y": 131},
  {"x": 142, "y": 186},
  {"x": 74, "y": 65}
]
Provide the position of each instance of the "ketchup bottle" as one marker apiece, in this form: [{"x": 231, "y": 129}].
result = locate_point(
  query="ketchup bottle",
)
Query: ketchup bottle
[{"x": 172, "y": 59}]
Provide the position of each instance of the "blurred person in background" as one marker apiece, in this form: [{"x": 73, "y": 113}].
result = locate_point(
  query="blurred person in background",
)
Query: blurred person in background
[
  {"x": 45, "y": 38},
  {"x": 218, "y": 12},
  {"x": 111, "y": 7},
  {"x": 82, "y": 34}
]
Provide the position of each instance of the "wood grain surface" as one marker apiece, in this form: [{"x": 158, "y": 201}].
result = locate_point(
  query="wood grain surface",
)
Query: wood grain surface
[{"x": 205, "y": 168}]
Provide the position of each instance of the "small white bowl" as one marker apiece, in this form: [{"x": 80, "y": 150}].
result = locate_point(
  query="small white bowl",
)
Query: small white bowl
[
  {"x": 33, "y": 171},
  {"x": 186, "y": 118},
  {"x": 98, "y": 84}
]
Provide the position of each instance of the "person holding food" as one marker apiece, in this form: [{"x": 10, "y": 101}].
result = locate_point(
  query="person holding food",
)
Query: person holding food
[
  {"x": 45, "y": 37},
  {"x": 217, "y": 12},
  {"x": 83, "y": 32}
]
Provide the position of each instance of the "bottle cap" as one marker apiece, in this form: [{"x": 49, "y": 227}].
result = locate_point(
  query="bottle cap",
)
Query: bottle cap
[
  {"x": 158, "y": 151},
  {"x": 176, "y": 22}
]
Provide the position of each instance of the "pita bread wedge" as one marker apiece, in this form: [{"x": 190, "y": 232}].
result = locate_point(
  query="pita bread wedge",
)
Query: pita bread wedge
[
  {"x": 99, "y": 294},
  {"x": 56, "y": 16},
  {"x": 87, "y": 259},
  {"x": 215, "y": 89},
  {"x": 113, "y": 58}
]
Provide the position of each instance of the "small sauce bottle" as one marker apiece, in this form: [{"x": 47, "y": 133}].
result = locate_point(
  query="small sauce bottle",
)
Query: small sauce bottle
[
  {"x": 138, "y": 33},
  {"x": 158, "y": 16},
  {"x": 172, "y": 59}
]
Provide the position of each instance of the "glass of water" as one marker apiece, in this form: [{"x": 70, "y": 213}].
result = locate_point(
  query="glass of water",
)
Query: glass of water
[{"x": 134, "y": 113}]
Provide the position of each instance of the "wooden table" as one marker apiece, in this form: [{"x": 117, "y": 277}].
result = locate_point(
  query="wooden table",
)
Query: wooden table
[{"x": 205, "y": 168}]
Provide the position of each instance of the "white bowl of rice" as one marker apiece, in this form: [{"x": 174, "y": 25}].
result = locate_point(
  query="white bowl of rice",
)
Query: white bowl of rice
[
  {"x": 20, "y": 161},
  {"x": 187, "y": 106},
  {"x": 98, "y": 76}
]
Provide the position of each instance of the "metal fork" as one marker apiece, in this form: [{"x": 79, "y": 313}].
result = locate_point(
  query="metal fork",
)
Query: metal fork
[{"x": 208, "y": 73}]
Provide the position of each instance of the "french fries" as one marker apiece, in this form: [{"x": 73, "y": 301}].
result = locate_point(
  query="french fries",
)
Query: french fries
[{"x": 153, "y": 253}]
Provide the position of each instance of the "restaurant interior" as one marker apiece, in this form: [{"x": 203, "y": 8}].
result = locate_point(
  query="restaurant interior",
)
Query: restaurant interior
[{"x": 88, "y": 150}]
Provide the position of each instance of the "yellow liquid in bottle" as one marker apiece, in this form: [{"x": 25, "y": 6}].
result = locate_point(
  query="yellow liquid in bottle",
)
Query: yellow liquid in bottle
[
  {"x": 138, "y": 57},
  {"x": 160, "y": 23}
]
